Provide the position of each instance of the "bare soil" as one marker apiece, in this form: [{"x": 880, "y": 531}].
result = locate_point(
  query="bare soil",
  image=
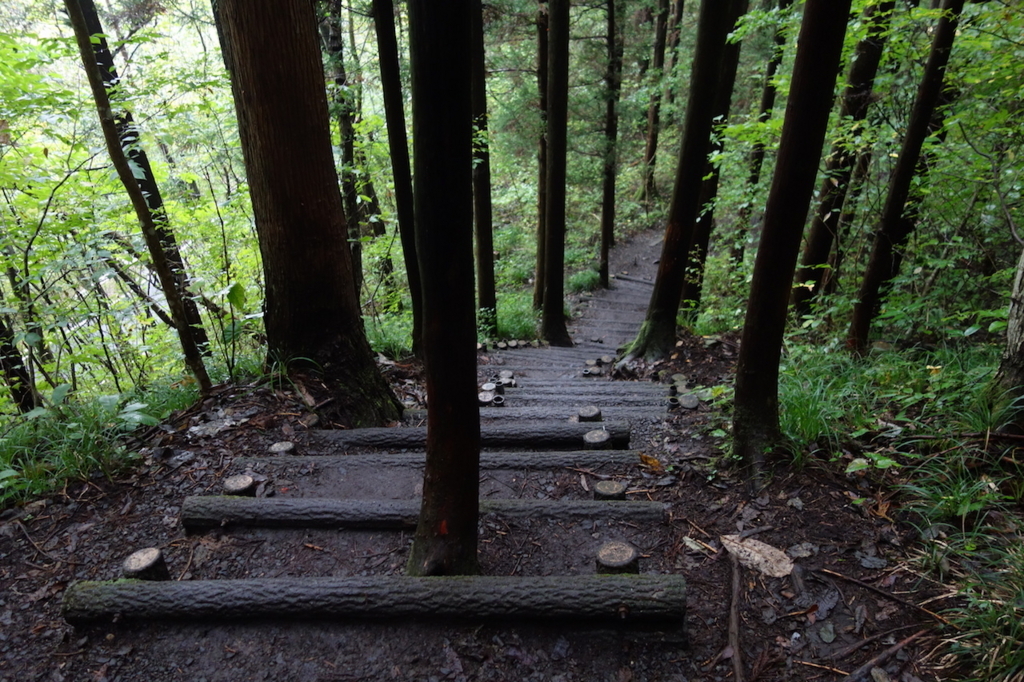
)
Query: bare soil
[{"x": 855, "y": 582}]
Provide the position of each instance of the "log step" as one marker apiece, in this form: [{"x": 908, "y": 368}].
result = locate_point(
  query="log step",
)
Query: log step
[
  {"x": 556, "y": 435},
  {"x": 210, "y": 511},
  {"x": 620, "y": 599},
  {"x": 516, "y": 461}
]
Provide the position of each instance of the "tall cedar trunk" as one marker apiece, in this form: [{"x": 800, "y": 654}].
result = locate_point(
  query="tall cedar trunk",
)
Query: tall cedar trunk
[
  {"x": 658, "y": 333},
  {"x": 1009, "y": 379},
  {"x": 344, "y": 106},
  {"x": 553, "y": 311},
  {"x": 764, "y": 114},
  {"x": 840, "y": 162},
  {"x": 128, "y": 134},
  {"x": 311, "y": 312},
  {"x": 486, "y": 295},
  {"x": 441, "y": 49},
  {"x": 672, "y": 48},
  {"x": 895, "y": 226},
  {"x": 649, "y": 189},
  {"x": 401, "y": 168},
  {"x": 613, "y": 83},
  {"x": 756, "y": 406},
  {"x": 16, "y": 374},
  {"x": 150, "y": 228},
  {"x": 698, "y": 252},
  {"x": 540, "y": 278}
]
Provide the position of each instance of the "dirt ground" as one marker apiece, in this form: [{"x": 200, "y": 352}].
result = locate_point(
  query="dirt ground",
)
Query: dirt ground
[{"x": 853, "y": 597}]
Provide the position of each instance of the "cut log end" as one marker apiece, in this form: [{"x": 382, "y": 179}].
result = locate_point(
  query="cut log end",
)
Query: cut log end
[
  {"x": 598, "y": 439},
  {"x": 485, "y": 398},
  {"x": 609, "y": 490},
  {"x": 283, "y": 448},
  {"x": 146, "y": 564},
  {"x": 618, "y": 557},
  {"x": 491, "y": 387},
  {"x": 590, "y": 413},
  {"x": 240, "y": 484}
]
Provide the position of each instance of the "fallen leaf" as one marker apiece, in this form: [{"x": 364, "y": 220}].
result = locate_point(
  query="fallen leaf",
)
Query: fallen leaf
[
  {"x": 758, "y": 555},
  {"x": 651, "y": 462}
]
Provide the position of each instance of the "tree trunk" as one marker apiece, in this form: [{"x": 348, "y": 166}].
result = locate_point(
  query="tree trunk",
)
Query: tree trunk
[
  {"x": 1009, "y": 379},
  {"x": 486, "y": 295},
  {"x": 896, "y": 225},
  {"x": 764, "y": 114},
  {"x": 394, "y": 110},
  {"x": 150, "y": 228},
  {"x": 441, "y": 49},
  {"x": 672, "y": 48},
  {"x": 756, "y": 406},
  {"x": 540, "y": 279},
  {"x": 698, "y": 252},
  {"x": 840, "y": 162},
  {"x": 613, "y": 83},
  {"x": 649, "y": 189},
  {"x": 311, "y": 312},
  {"x": 553, "y": 311},
  {"x": 830, "y": 281},
  {"x": 128, "y": 135},
  {"x": 658, "y": 333},
  {"x": 19, "y": 381}
]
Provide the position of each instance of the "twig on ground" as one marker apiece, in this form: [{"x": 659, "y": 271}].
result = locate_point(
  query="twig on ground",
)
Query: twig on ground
[
  {"x": 888, "y": 595},
  {"x": 734, "y": 622},
  {"x": 860, "y": 672},
  {"x": 867, "y": 640},
  {"x": 836, "y": 671},
  {"x": 39, "y": 549}
]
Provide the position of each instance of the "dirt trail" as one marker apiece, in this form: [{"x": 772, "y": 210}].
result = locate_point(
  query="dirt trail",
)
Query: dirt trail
[{"x": 789, "y": 629}]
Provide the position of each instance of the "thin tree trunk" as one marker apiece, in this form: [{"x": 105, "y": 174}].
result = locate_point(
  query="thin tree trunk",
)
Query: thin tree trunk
[
  {"x": 698, "y": 252},
  {"x": 756, "y": 406},
  {"x": 445, "y": 541},
  {"x": 764, "y": 114},
  {"x": 895, "y": 225},
  {"x": 672, "y": 49},
  {"x": 649, "y": 189},
  {"x": 658, "y": 333},
  {"x": 394, "y": 110},
  {"x": 150, "y": 229},
  {"x": 12, "y": 364},
  {"x": 844, "y": 225},
  {"x": 540, "y": 279},
  {"x": 613, "y": 83},
  {"x": 128, "y": 138},
  {"x": 553, "y": 327},
  {"x": 311, "y": 313},
  {"x": 482, "y": 214},
  {"x": 1009, "y": 379},
  {"x": 840, "y": 162}
]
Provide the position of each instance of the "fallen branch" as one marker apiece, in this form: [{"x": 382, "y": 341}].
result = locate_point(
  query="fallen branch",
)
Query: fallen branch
[
  {"x": 867, "y": 640},
  {"x": 860, "y": 672},
  {"x": 888, "y": 595},
  {"x": 734, "y": 621}
]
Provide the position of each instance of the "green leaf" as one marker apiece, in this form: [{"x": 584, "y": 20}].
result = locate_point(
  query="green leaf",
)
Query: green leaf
[
  {"x": 236, "y": 295},
  {"x": 858, "y": 464},
  {"x": 60, "y": 393},
  {"x": 973, "y": 329}
]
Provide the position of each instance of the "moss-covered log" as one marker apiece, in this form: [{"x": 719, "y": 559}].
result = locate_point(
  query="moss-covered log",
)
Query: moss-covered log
[
  {"x": 543, "y": 434},
  {"x": 626, "y": 600},
  {"x": 558, "y": 459},
  {"x": 200, "y": 513}
]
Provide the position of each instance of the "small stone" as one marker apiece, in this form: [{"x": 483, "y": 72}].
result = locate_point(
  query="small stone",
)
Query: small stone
[{"x": 284, "y": 447}]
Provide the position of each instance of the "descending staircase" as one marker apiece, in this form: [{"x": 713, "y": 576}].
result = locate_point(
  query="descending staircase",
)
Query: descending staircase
[{"x": 339, "y": 490}]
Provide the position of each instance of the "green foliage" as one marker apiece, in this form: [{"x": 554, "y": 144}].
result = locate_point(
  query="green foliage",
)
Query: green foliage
[{"x": 390, "y": 335}]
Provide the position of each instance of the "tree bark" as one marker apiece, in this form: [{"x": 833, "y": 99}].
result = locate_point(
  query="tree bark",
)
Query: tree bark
[
  {"x": 312, "y": 315},
  {"x": 649, "y": 189},
  {"x": 19, "y": 381},
  {"x": 486, "y": 294},
  {"x": 756, "y": 406},
  {"x": 1009, "y": 379},
  {"x": 895, "y": 224},
  {"x": 613, "y": 83},
  {"x": 401, "y": 168},
  {"x": 698, "y": 252},
  {"x": 553, "y": 327},
  {"x": 128, "y": 136},
  {"x": 658, "y": 333},
  {"x": 212, "y": 511},
  {"x": 445, "y": 541},
  {"x": 840, "y": 162},
  {"x": 540, "y": 278},
  {"x": 150, "y": 229},
  {"x": 619, "y": 600},
  {"x": 672, "y": 48}
]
